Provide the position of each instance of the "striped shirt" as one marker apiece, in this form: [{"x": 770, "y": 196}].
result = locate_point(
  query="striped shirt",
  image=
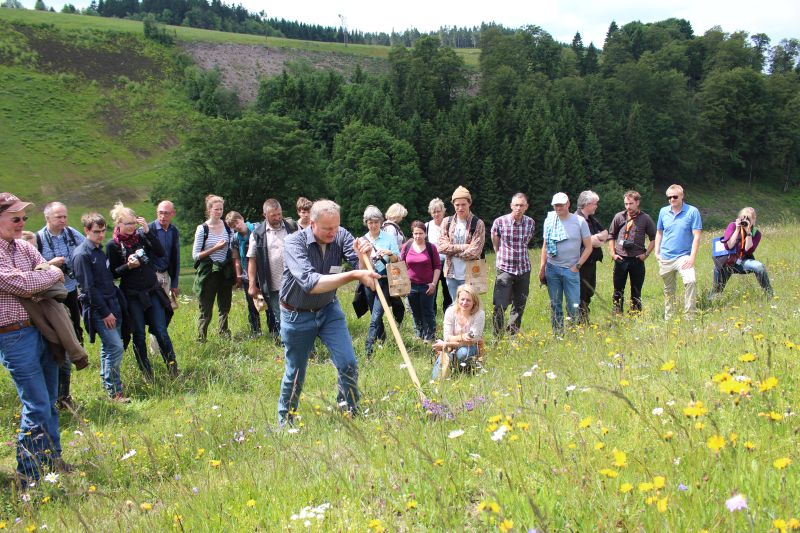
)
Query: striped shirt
[
  {"x": 19, "y": 280},
  {"x": 512, "y": 254},
  {"x": 305, "y": 262},
  {"x": 213, "y": 238},
  {"x": 59, "y": 246}
]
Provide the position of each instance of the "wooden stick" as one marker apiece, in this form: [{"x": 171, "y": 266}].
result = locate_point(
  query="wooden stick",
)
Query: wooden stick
[{"x": 387, "y": 311}]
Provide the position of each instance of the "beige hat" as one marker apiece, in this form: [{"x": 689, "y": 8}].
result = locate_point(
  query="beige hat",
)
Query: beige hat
[{"x": 461, "y": 192}]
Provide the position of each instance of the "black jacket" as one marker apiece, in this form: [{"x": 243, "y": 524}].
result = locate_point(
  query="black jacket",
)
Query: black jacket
[{"x": 263, "y": 274}]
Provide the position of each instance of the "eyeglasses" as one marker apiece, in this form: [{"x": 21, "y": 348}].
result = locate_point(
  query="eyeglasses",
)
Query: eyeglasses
[
  {"x": 17, "y": 220},
  {"x": 99, "y": 231},
  {"x": 672, "y": 197}
]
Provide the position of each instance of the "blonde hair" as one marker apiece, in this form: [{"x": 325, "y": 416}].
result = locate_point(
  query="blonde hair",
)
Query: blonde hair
[
  {"x": 119, "y": 211},
  {"x": 750, "y": 212},
  {"x": 396, "y": 212},
  {"x": 676, "y": 188},
  {"x": 476, "y": 300},
  {"x": 212, "y": 199}
]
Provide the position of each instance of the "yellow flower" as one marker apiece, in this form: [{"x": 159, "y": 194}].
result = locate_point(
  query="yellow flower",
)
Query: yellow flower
[
  {"x": 719, "y": 378},
  {"x": 609, "y": 473},
  {"x": 668, "y": 435},
  {"x": 586, "y": 422},
  {"x": 571, "y": 446},
  {"x": 145, "y": 506},
  {"x": 411, "y": 504},
  {"x": 200, "y": 453},
  {"x": 495, "y": 419},
  {"x": 747, "y": 358},
  {"x": 659, "y": 482},
  {"x": 772, "y": 415},
  {"x": 624, "y": 383},
  {"x": 251, "y": 503},
  {"x": 46, "y": 499},
  {"x": 215, "y": 463},
  {"x": 781, "y": 463},
  {"x": 780, "y": 524},
  {"x": 2, "y": 525},
  {"x": 695, "y": 409},
  {"x": 733, "y": 437},
  {"x": 645, "y": 487},
  {"x": 794, "y": 523},
  {"x": 524, "y": 426},
  {"x": 438, "y": 462},
  {"x": 506, "y": 525},
  {"x": 669, "y": 365},
  {"x": 716, "y": 443},
  {"x": 732, "y": 386},
  {"x": 599, "y": 445},
  {"x": 662, "y": 504},
  {"x": 489, "y": 506},
  {"x": 620, "y": 458},
  {"x": 376, "y": 525},
  {"x": 749, "y": 445},
  {"x": 625, "y": 488},
  {"x": 768, "y": 384}
]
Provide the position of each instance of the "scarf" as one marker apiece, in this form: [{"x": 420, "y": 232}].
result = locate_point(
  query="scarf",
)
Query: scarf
[
  {"x": 554, "y": 232},
  {"x": 126, "y": 241}
]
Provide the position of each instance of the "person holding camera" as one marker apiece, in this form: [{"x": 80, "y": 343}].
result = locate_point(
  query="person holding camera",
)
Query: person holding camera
[
  {"x": 129, "y": 253},
  {"x": 741, "y": 237},
  {"x": 57, "y": 241},
  {"x": 626, "y": 243}
]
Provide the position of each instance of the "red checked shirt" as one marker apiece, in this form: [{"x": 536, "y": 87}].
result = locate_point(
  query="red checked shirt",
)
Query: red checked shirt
[
  {"x": 19, "y": 280},
  {"x": 512, "y": 254}
]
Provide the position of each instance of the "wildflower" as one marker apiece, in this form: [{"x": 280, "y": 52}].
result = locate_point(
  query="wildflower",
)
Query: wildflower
[
  {"x": 251, "y": 503},
  {"x": 455, "y": 433},
  {"x": 491, "y": 506},
  {"x": 438, "y": 462},
  {"x": 599, "y": 446},
  {"x": 682, "y": 487},
  {"x": 662, "y": 504},
  {"x": 500, "y": 433},
  {"x": 609, "y": 472},
  {"x": 586, "y": 422},
  {"x": 200, "y": 453},
  {"x": 624, "y": 383},
  {"x": 625, "y": 488},
  {"x": 716, "y": 443},
  {"x": 669, "y": 365},
  {"x": 146, "y": 506},
  {"x": 668, "y": 435},
  {"x": 550, "y": 375},
  {"x": 695, "y": 409},
  {"x": 733, "y": 386},
  {"x": 506, "y": 525},
  {"x": 524, "y": 426},
  {"x": 736, "y": 503},
  {"x": 781, "y": 463},
  {"x": 645, "y": 486},
  {"x": 768, "y": 384},
  {"x": 749, "y": 445},
  {"x": 92, "y": 489},
  {"x": 129, "y": 454},
  {"x": 748, "y": 357},
  {"x": 659, "y": 482},
  {"x": 376, "y": 525},
  {"x": 658, "y": 411},
  {"x": 620, "y": 458},
  {"x": 411, "y": 504},
  {"x": 215, "y": 463},
  {"x": 52, "y": 477},
  {"x": 292, "y": 431}
]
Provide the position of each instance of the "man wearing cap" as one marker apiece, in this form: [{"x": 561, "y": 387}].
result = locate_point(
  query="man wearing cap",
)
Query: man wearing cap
[
  {"x": 57, "y": 242},
  {"x": 309, "y": 307},
  {"x": 511, "y": 235},
  {"x": 678, "y": 233},
  {"x": 561, "y": 260},
  {"x": 23, "y": 351},
  {"x": 461, "y": 240}
]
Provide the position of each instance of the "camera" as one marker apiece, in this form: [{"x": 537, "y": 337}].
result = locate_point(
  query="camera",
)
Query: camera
[
  {"x": 141, "y": 256},
  {"x": 628, "y": 244},
  {"x": 745, "y": 222},
  {"x": 67, "y": 271}
]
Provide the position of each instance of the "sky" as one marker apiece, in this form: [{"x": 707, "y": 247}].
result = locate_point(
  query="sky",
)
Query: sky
[{"x": 779, "y": 19}]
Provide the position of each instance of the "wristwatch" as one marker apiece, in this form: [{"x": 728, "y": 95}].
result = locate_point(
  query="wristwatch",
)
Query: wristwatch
[{"x": 578, "y": 265}]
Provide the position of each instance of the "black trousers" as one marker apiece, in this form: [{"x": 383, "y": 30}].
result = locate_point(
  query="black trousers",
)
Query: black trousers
[
  {"x": 588, "y": 274},
  {"x": 65, "y": 371},
  {"x": 635, "y": 268}
]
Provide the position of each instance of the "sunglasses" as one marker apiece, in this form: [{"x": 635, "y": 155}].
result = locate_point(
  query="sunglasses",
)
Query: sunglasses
[
  {"x": 672, "y": 197},
  {"x": 17, "y": 220}
]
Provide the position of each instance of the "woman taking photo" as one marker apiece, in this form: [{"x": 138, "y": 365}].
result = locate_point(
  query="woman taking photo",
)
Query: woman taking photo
[
  {"x": 129, "y": 253},
  {"x": 463, "y": 328},
  {"x": 424, "y": 267},
  {"x": 213, "y": 264},
  {"x": 384, "y": 250}
]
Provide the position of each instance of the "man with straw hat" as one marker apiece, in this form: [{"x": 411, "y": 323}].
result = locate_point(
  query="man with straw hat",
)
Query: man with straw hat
[{"x": 461, "y": 240}]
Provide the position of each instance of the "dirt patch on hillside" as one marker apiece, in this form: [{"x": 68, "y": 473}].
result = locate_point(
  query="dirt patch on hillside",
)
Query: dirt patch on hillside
[
  {"x": 104, "y": 66},
  {"x": 242, "y": 66}
]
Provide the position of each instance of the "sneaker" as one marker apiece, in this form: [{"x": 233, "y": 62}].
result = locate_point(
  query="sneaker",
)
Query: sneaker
[{"x": 120, "y": 398}]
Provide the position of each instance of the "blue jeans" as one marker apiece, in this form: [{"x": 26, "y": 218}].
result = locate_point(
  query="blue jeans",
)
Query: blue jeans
[
  {"x": 111, "y": 350},
  {"x": 35, "y": 375},
  {"x": 563, "y": 283},
  {"x": 376, "y": 330},
  {"x": 722, "y": 275},
  {"x": 462, "y": 355},
  {"x": 452, "y": 287},
  {"x": 423, "y": 309},
  {"x": 156, "y": 317},
  {"x": 299, "y": 330},
  {"x": 252, "y": 313}
]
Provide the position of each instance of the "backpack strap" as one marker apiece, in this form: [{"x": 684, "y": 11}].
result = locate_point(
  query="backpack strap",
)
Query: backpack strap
[{"x": 205, "y": 236}]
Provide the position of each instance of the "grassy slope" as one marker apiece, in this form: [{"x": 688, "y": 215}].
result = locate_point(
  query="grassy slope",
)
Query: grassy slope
[{"x": 206, "y": 455}]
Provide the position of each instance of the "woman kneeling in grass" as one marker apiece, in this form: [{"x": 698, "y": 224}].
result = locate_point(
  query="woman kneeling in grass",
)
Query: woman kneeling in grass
[{"x": 463, "y": 328}]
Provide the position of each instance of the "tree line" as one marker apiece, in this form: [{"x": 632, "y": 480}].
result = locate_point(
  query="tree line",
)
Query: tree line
[{"x": 660, "y": 104}]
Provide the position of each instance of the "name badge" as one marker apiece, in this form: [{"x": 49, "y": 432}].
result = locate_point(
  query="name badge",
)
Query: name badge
[{"x": 336, "y": 269}]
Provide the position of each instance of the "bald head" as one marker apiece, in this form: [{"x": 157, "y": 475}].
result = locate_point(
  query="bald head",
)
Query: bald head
[{"x": 164, "y": 213}]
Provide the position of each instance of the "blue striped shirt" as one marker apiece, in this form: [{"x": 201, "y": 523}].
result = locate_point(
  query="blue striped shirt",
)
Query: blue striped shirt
[
  {"x": 60, "y": 246},
  {"x": 304, "y": 264}
]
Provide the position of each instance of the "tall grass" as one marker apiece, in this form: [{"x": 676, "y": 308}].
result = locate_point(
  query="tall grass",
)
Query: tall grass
[{"x": 585, "y": 417}]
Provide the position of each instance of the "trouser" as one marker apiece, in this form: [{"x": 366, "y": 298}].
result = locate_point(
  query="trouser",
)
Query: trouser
[
  {"x": 376, "y": 331},
  {"x": 722, "y": 275},
  {"x": 510, "y": 289},
  {"x": 215, "y": 286},
  {"x": 155, "y": 315},
  {"x": 165, "y": 282},
  {"x": 460, "y": 358},
  {"x": 447, "y": 301},
  {"x": 668, "y": 269},
  {"x": 111, "y": 351},
  {"x": 562, "y": 283},
  {"x": 625, "y": 267},
  {"x": 65, "y": 370},
  {"x": 253, "y": 317},
  {"x": 423, "y": 310},
  {"x": 452, "y": 286},
  {"x": 588, "y": 275}
]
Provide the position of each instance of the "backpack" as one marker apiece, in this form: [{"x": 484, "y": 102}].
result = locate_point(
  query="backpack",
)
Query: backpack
[
  {"x": 428, "y": 249},
  {"x": 228, "y": 232},
  {"x": 43, "y": 235},
  {"x": 472, "y": 225}
]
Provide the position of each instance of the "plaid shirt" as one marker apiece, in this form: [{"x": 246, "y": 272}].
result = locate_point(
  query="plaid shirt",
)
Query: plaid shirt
[
  {"x": 19, "y": 280},
  {"x": 512, "y": 254}
]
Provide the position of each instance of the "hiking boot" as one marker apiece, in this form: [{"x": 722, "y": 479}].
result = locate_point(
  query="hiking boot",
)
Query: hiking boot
[
  {"x": 120, "y": 398},
  {"x": 172, "y": 368}
]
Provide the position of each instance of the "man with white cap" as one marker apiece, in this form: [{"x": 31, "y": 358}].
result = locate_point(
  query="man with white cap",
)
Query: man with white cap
[
  {"x": 23, "y": 351},
  {"x": 564, "y": 235},
  {"x": 461, "y": 240}
]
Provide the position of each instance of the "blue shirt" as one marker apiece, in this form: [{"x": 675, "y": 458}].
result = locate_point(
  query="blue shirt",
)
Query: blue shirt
[
  {"x": 95, "y": 279},
  {"x": 62, "y": 246},
  {"x": 385, "y": 241},
  {"x": 242, "y": 241},
  {"x": 304, "y": 264},
  {"x": 677, "y": 237},
  {"x": 170, "y": 262}
]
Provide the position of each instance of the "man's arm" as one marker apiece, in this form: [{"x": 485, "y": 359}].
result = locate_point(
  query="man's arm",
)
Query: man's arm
[
  {"x": 495, "y": 232},
  {"x": 695, "y": 246},
  {"x": 657, "y": 246},
  {"x": 475, "y": 247},
  {"x": 85, "y": 277},
  {"x": 542, "y": 262},
  {"x": 587, "y": 251},
  {"x": 252, "y": 289}
]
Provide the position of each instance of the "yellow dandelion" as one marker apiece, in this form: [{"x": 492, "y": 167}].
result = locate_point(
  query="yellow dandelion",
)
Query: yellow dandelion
[
  {"x": 490, "y": 505},
  {"x": 506, "y": 525},
  {"x": 376, "y": 525},
  {"x": 620, "y": 458},
  {"x": 780, "y": 524},
  {"x": 439, "y": 462},
  {"x": 609, "y": 472},
  {"x": 599, "y": 445},
  {"x": 748, "y": 357},
  {"x": 659, "y": 482},
  {"x": 669, "y": 365},
  {"x": 695, "y": 409},
  {"x": 200, "y": 453},
  {"x": 251, "y": 503},
  {"x": 411, "y": 504},
  {"x": 624, "y": 383},
  {"x": 668, "y": 435},
  {"x": 781, "y": 463},
  {"x": 586, "y": 422},
  {"x": 215, "y": 463},
  {"x": 645, "y": 486},
  {"x": 92, "y": 489},
  {"x": 146, "y": 506},
  {"x": 625, "y": 488},
  {"x": 733, "y": 437},
  {"x": 750, "y": 445},
  {"x": 716, "y": 443},
  {"x": 662, "y": 504},
  {"x": 719, "y": 378},
  {"x": 768, "y": 384}
]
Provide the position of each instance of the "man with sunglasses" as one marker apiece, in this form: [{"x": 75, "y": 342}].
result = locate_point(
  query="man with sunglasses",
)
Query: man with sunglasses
[
  {"x": 23, "y": 351},
  {"x": 678, "y": 233}
]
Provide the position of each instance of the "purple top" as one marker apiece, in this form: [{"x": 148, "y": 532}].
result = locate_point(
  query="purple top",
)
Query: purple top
[
  {"x": 421, "y": 266},
  {"x": 729, "y": 233}
]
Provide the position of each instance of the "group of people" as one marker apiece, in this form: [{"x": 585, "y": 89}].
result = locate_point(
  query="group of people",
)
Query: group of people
[{"x": 291, "y": 269}]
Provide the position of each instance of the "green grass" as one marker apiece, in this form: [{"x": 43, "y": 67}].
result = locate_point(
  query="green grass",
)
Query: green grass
[
  {"x": 208, "y": 458},
  {"x": 66, "y": 21}
]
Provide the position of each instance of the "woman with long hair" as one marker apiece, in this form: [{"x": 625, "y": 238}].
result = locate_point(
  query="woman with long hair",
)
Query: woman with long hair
[{"x": 463, "y": 328}]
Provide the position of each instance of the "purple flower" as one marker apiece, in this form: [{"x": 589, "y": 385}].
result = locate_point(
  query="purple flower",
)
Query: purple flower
[
  {"x": 736, "y": 503},
  {"x": 195, "y": 491},
  {"x": 682, "y": 487},
  {"x": 437, "y": 410}
]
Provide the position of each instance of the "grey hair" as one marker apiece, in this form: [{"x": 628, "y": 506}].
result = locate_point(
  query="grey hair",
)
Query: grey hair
[
  {"x": 372, "y": 213},
  {"x": 324, "y": 207},
  {"x": 271, "y": 204},
  {"x": 520, "y": 195},
  {"x": 396, "y": 212},
  {"x": 436, "y": 203},
  {"x": 587, "y": 197},
  {"x": 48, "y": 208}
]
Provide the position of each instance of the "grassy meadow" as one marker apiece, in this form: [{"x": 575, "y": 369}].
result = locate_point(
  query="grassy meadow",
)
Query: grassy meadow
[{"x": 629, "y": 424}]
